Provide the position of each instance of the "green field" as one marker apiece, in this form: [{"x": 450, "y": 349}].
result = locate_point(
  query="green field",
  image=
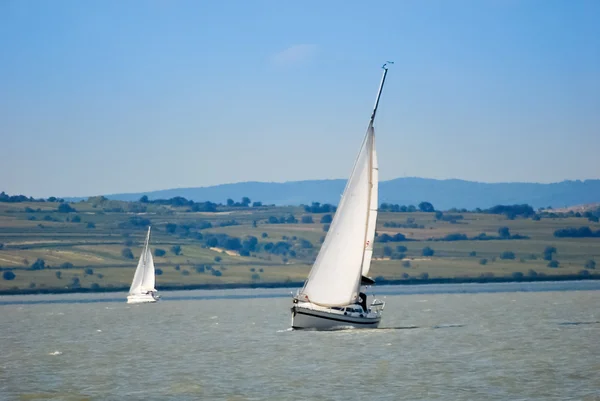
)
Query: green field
[{"x": 86, "y": 245}]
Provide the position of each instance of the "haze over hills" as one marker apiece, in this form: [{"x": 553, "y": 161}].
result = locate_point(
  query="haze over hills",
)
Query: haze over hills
[{"x": 444, "y": 194}]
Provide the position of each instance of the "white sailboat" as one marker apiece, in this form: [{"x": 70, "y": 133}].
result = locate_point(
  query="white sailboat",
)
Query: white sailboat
[
  {"x": 331, "y": 296},
  {"x": 142, "y": 287}
]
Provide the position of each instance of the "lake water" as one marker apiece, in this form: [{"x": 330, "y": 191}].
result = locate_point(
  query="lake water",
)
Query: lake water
[{"x": 538, "y": 341}]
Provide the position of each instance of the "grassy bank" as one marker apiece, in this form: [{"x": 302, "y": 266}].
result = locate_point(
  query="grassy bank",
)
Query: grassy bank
[{"x": 82, "y": 247}]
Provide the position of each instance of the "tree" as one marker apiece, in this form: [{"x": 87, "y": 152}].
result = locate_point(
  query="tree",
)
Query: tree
[
  {"x": 406, "y": 264},
  {"x": 8, "y": 275},
  {"x": 76, "y": 219},
  {"x": 472, "y": 253},
  {"x": 158, "y": 272},
  {"x": 264, "y": 235},
  {"x": 424, "y": 276},
  {"x": 218, "y": 259},
  {"x": 590, "y": 264},
  {"x": 307, "y": 219},
  {"x": 245, "y": 201},
  {"x": 89, "y": 271},
  {"x": 553, "y": 263},
  {"x": 387, "y": 251},
  {"x": 176, "y": 249},
  {"x": 39, "y": 264},
  {"x": 517, "y": 275},
  {"x": 326, "y": 227},
  {"x": 548, "y": 252},
  {"x": 257, "y": 204},
  {"x": 230, "y": 202},
  {"x": 171, "y": 227},
  {"x": 144, "y": 199},
  {"x": 504, "y": 232},
  {"x": 58, "y": 274},
  {"x": 1, "y": 245},
  {"x": 90, "y": 225},
  {"x": 483, "y": 261},
  {"x": 326, "y": 219},
  {"x": 159, "y": 252},
  {"x": 401, "y": 249},
  {"x": 426, "y": 207},
  {"x": 427, "y": 251},
  {"x": 126, "y": 253}
]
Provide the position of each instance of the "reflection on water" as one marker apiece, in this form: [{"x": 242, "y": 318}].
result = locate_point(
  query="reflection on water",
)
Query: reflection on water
[{"x": 483, "y": 343}]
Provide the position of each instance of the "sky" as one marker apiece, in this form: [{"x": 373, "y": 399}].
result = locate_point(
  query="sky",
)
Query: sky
[{"x": 102, "y": 97}]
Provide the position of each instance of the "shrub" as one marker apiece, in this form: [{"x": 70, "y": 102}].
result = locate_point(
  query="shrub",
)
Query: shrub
[
  {"x": 553, "y": 263},
  {"x": 264, "y": 235},
  {"x": 65, "y": 208},
  {"x": 472, "y": 253},
  {"x": 504, "y": 232},
  {"x": 483, "y": 261},
  {"x": 128, "y": 242},
  {"x": 584, "y": 273},
  {"x": 590, "y": 264},
  {"x": 217, "y": 273},
  {"x": 218, "y": 259},
  {"x": 244, "y": 252},
  {"x": 171, "y": 227},
  {"x": 176, "y": 249},
  {"x": 177, "y": 267},
  {"x": 199, "y": 269},
  {"x": 76, "y": 219},
  {"x": 398, "y": 256},
  {"x": 158, "y": 272},
  {"x": 326, "y": 227},
  {"x": 517, "y": 275},
  {"x": 406, "y": 264},
  {"x": 100, "y": 275},
  {"x": 261, "y": 270},
  {"x": 89, "y": 271},
  {"x": 95, "y": 286},
  {"x": 185, "y": 272},
  {"x": 8, "y": 275},
  {"x": 507, "y": 255},
  {"x": 58, "y": 274},
  {"x": 405, "y": 276},
  {"x": 401, "y": 249},
  {"x": 90, "y": 225},
  {"x": 424, "y": 276},
  {"x": 126, "y": 253},
  {"x": 427, "y": 251},
  {"x": 159, "y": 252},
  {"x": 255, "y": 277},
  {"x": 307, "y": 219}
]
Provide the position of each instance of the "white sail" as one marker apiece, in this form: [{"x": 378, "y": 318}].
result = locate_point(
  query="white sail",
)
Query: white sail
[
  {"x": 372, "y": 219},
  {"x": 334, "y": 279},
  {"x": 140, "y": 278},
  {"x": 149, "y": 277}
]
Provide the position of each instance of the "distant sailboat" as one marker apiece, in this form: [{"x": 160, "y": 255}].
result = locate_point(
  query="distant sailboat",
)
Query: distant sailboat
[
  {"x": 142, "y": 288},
  {"x": 331, "y": 295}
]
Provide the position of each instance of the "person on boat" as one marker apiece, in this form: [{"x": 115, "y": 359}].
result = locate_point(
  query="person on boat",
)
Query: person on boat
[{"x": 362, "y": 300}]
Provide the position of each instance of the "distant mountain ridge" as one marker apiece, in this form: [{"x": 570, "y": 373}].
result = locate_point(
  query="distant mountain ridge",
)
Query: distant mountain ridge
[{"x": 443, "y": 194}]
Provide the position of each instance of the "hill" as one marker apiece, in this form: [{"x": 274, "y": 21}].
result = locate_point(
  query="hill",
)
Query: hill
[{"x": 444, "y": 194}]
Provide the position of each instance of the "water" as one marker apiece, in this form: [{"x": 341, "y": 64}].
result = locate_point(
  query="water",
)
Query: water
[{"x": 451, "y": 342}]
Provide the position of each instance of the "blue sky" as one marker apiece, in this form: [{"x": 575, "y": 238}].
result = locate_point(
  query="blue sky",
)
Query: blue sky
[{"x": 112, "y": 96}]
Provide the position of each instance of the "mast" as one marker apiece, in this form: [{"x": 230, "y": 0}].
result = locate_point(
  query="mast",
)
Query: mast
[
  {"x": 385, "y": 70},
  {"x": 371, "y": 133},
  {"x": 145, "y": 255}
]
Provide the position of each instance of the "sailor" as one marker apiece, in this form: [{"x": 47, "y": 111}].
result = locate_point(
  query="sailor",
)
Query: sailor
[{"x": 362, "y": 300}]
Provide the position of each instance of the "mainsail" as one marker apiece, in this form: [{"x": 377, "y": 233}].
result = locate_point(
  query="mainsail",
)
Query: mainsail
[
  {"x": 346, "y": 253},
  {"x": 143, "y": 279}
]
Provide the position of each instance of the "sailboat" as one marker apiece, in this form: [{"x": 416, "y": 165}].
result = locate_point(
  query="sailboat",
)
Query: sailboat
[
  {"x": 331, "y": 297},
  {"x": 142, "y": 287}
]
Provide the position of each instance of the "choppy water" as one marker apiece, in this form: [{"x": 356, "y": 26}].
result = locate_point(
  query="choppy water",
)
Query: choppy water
[{"x": 436, "y": 343}]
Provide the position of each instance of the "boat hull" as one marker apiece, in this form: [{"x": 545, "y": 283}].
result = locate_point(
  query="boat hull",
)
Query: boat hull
[
  {"x": 142, "y": 298},
  {"x": 305, "y": 318}
]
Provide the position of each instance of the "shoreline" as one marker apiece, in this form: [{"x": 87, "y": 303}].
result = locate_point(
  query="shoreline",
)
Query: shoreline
[{"x": 297, "y": 284}]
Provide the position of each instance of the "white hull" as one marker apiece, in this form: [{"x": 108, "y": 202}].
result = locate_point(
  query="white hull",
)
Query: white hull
[
  {"x": 142, "y": 298},
  {"x": 312, "y": 317}
]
